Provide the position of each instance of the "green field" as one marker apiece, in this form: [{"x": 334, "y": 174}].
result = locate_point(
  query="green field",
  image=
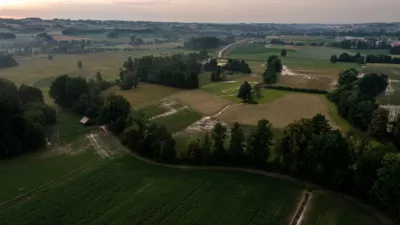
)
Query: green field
[
  {"x": 229, "y": 90},
  {"x": 126, "y": 191},
  {"x": 328, "y": 210},
  {"x": 31, "y": 171},
  {"x": 178, "y": 121}
]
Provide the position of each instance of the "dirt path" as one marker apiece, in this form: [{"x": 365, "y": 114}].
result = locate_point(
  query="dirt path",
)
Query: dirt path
[
  {"x": 301, "y": 209},
  {"x": 370, "y": 209}
]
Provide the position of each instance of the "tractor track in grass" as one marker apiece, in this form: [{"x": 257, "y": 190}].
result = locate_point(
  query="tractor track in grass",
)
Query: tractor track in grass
[{"x": 383, "y": 218}]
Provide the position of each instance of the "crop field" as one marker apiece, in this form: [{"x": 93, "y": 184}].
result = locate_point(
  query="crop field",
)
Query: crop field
[
  {"x": 126, "y": 191},
  {"x": 145, "y": 92},
  {"x": 32, "y": 70},
  {"x": 282, "y": 111},
  {"x": 27, "y": 172},
  {"x": 328, "y": 210}
]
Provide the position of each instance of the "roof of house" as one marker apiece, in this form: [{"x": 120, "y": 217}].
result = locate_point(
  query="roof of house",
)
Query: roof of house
[{"x": 84, "y": 120}]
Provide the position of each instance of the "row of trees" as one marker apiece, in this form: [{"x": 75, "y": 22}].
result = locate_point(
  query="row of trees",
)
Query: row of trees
[
  {"x": 311, "y": 149},
  {"x": 361, "y": 44},
  {"x": 23, "y": 118},
  {"x": 355, "y": 100},
  {"x": 7, "y": 60},
  {"x": 234, "y": 65},
  {"x": 201, "y": 43},
  {"x": 177, "y": 70},
  {"x": 345, "y": 57},
  {"x": 382, "y": 59},
  {"x": 7, "y": 35}
]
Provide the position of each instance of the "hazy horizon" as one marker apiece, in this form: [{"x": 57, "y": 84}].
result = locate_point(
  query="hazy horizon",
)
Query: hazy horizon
[{"x": 222, "y": 11}]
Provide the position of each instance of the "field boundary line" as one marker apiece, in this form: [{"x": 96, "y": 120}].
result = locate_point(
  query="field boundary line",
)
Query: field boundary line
[
  {"x": 49, "y": 184},
  {"x": 301, "y": 209},
  {"x": 383, "y": 218}
]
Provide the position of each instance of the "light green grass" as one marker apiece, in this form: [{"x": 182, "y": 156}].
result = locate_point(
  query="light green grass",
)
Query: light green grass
[
  {"x": 179, "y": 121},
  {"x": 229, "y": 91},
  {"x": 343, "y": 124},
  {"x": 27, "y": 172},
  {"x": 328, "y": 210},
  {"x": 126, "y": 191},
  {"x": 255, "y": 48},
  {"x": 153, "y": 110}
]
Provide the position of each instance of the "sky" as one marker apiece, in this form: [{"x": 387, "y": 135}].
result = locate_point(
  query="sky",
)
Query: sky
[{"x": 225, "y": 11}]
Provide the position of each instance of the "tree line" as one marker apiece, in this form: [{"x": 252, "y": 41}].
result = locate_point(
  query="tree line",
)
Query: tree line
[
  {"x": 7, "y": 60},
  {"x": 201, "y": 43},
  {"x": 7, "y": 35},
  {"x": 382, "y": 59},
  {"x": 346, "y": 57},
  {"x": 394, "y": 50},
  {"x": 23, "y": 118},
  {"x": 361, "y": 44},
  {"x": 180, "y": 71},
  {"x": 310, "y": 149},
  {"x": 355, "y": 100}
]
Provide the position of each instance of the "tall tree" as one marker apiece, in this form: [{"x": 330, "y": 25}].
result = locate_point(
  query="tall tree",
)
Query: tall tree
[
  {"x": 379, "y": 123},
  {"x": 115, "y": 106},
  {"x": 219, "y": 137},
  {"x": 245, "y": 92},
  {"x": 348, "y": 76},
  {"x": 386, "y": 189},
  {"x": 275, "y": 63},
  {"x": 236, "y": 144},
  {"x": 270, "y": 76},
  {"x": 205, "y": 148},
  {"x": 333, "y": 59},
  {"x": 283, "y": 52},
  {"x": 30, "y": 94},
  {"x": 79, "y": 64},
  {"x": 194, "y": 151},
  {"x": 258, "y": 143}
]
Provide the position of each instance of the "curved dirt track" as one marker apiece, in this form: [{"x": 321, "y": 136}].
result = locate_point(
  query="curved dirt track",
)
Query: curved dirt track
[{"x": 370, "y": 209}]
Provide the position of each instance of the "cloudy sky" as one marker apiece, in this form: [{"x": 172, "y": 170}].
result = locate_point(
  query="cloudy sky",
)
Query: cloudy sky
[{"x": 279, "y": 11}]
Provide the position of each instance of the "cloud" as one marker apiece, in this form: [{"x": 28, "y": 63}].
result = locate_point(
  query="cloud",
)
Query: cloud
[{"x": 142, "y": 2}]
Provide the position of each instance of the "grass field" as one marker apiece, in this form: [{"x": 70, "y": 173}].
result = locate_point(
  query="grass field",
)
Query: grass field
[
  {"x": 31, "y": 70},
  {"x": 126, "y": 191},
  {"x": 280, "y": 112},
  {"x": 229, "y": 90},
  {"x": 328, "y": 210},
  {"x": 145, "y": 93},
  {"x": 179, "y": 120}
]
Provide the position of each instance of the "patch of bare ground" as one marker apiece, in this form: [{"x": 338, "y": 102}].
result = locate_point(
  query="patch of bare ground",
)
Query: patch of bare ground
[
  {"x": 202, "y": 102},
  {"x": 306, "y": 81},
  {"x": 281, "y": 112}
]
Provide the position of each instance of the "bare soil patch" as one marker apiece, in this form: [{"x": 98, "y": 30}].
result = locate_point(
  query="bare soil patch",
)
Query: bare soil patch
[
  {"x": 281, "y": 112},
  {"x": 202, "y": 102},
  {"x": 306, "y": 81},
  {"x": 68, "y": 38}
]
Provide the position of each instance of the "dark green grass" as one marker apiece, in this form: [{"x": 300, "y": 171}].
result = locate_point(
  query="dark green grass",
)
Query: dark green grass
[
  {"x": 24, "y": 173},
  {"x": 179, "y": 121},
  {"x": 153, "y": 110},
  {"x": 328, "y": 210},
  {"x": 126, "y": 191}
]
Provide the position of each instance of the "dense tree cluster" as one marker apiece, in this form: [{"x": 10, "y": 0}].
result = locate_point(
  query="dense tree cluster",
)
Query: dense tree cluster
[
  {"x": 201, "y": 43},
  {"x": 310, "y": 148},
  {"x": 345, "y": 57},
  {"x": 394, "y": 50},
  {"x": 361, "y": 44},
  {"x": 274, "y": 66},
  {"x": 275, "y": 63},
  {"x": 382, "y": 59},
  {"x": 249, "y": 94},
  {"x": 7, "y": 35},
  {"x": 177, "y": 70},
  {"x": 237, "y": 66},
  {"x": 76, "y": 93},
  {"x": 7, "y": 60},
  {"x": 355, "y": 96},
  {"x": 23, "y": 117}
]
